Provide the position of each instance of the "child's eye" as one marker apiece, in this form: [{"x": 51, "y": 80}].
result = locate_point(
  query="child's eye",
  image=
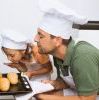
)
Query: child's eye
[{"x": 11, "y": 55}]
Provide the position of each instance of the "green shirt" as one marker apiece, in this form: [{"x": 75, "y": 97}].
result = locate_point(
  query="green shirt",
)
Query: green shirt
[{"x": 83, "y": 60}]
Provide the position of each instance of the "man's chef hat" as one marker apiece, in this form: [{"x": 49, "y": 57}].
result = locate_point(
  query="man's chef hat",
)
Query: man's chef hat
[
  {"x": 58, "y": 19},
  {"x": 14, "y": 40}
]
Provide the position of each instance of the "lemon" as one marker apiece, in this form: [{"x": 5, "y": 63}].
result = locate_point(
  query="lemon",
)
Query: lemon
[
  {"x": 13, "y": 77},
  {"x": 4, "y": 84}
]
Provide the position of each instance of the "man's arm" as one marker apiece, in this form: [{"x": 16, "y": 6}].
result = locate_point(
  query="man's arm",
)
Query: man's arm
[
  {"x": 54, "y": 97},
  {"x": 58, "y": 84}
]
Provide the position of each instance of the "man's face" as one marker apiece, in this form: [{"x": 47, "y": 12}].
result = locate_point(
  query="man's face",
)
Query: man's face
[
  {"x": 45, "y": 43},
  {"x": 14, "y": 55}
]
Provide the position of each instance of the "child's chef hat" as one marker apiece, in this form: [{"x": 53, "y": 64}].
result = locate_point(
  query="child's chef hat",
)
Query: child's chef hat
[{"x": 14, "y": 40}]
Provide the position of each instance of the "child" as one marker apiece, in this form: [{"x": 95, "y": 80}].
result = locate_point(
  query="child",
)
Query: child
[{"x": 24, "y": 56}]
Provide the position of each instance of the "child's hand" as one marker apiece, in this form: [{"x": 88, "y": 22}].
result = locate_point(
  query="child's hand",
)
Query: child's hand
[
  {"x": 18, "y": 66},
  {"x": 28, "y": 73},
  {"x": 13, "y": 65}
]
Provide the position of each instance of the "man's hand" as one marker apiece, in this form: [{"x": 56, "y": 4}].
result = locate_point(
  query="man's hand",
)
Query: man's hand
[
  {"x": 48, "y": 81},
  {"x": 57, "y": 84}
]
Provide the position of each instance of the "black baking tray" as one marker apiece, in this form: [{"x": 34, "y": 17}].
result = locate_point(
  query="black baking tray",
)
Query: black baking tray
[{"x": 21, "y": 87}]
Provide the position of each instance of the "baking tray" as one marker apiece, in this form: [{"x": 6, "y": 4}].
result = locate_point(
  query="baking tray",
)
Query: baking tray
[{"x": 23, "y": 86}]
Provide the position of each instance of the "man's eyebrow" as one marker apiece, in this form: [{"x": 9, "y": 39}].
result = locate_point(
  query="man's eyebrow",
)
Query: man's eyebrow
[{"x": 40, "y": 33}]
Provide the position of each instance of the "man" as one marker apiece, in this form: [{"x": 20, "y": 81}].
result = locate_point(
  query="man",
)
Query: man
[
  {"x": 15, "y": 46},
  {"x": 81, "y": 58}
]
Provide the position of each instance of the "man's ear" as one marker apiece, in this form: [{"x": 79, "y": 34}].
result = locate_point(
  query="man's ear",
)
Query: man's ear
[{"x": 58, "y": 41}]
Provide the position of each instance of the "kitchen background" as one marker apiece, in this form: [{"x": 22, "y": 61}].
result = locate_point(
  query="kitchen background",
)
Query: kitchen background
[{"x": 24, "y": 15}]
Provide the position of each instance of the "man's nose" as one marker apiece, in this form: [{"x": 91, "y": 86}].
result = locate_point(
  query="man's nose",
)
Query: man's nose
[{"x": 36, "y": 39}]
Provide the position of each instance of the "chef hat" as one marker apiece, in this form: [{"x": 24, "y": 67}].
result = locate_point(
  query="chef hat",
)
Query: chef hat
[
  {"x": 58, "y": 19},
  {"x": 14, "y": 40}
]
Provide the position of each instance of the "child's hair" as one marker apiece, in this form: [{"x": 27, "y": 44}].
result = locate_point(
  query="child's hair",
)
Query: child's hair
[{"x": 28, "y": 53}]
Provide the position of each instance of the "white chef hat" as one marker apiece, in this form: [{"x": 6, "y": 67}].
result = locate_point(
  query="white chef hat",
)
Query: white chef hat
[
  {"x": 58, "y": 19},
  {"x": 14, "y": 40}
]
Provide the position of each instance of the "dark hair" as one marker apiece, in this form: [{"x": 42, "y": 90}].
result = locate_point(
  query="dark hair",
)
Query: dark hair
[
  {"x": 3, "y": 49},
  {"x": 28, "y": 52},
  {"x": 64, "y": 41}
]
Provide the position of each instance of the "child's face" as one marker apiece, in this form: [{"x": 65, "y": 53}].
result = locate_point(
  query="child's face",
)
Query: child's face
[{"x": 13, "y": 55}]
